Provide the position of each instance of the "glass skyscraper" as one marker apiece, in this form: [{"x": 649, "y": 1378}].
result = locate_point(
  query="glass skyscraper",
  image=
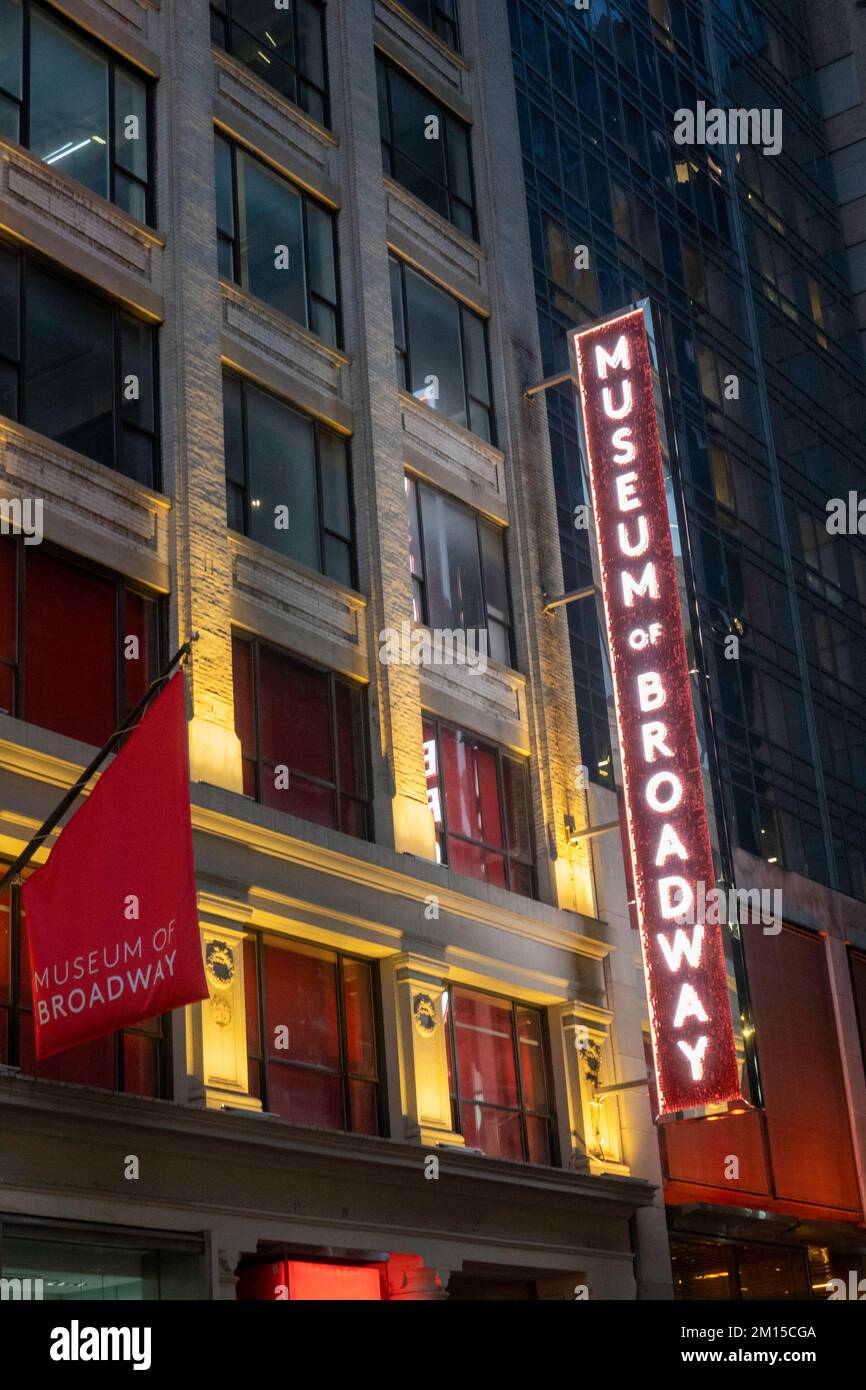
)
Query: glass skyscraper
[{"x": 741, "y": 254}]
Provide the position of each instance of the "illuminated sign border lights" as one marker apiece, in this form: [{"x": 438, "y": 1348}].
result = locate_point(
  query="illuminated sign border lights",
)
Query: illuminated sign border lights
[{"x": 687, "y": 986}]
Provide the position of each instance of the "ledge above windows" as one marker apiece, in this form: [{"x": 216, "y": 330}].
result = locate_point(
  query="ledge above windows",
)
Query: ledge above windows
[
  {"x": 80, "y": 230},
  {"x": 448, "y": 455},
  {"x": 88, "y": 508},
  {"x": 294, "y": 607},
  {"x": 419, "y": 234},
  {"x": 286, "y": 357},
  {"x": 417, "y": 48},
  {"x": 246, "y": 106},
  {"x": 491, "y": 702}
]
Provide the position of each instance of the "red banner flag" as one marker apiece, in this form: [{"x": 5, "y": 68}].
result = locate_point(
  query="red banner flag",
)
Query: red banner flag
[{"x": 111, "y": 918}]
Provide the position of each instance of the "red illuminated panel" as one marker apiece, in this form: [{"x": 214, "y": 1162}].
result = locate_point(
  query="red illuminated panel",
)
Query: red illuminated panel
[
  {"x": 333, "y": 1283},
  {"x": 690, "y": 1015}
]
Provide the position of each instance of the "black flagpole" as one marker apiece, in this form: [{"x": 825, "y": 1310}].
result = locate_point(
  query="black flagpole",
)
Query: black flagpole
[{"x": 75, "y": 791}]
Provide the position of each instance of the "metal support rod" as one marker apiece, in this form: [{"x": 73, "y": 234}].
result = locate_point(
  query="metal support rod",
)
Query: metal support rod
[
  {"x": 571, "y": 597},
  {"x": 75, "y": 791},
  {"x": 620, "y": 1086},
  {"x": 592, "y": 832},
  {"x": 550, "y": 382}
]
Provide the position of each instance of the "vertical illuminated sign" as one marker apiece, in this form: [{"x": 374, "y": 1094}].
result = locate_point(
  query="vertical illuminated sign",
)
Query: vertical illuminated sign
[{"x": 690, "y": 1014}]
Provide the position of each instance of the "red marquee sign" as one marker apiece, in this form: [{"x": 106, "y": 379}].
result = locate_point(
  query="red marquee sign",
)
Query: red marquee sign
[{"x": 690, "y": 1012}]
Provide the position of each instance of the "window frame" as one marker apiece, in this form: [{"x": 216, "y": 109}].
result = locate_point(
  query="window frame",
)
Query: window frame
[
  {"x": 240, "y": 271},
  {"x": 317, "y": 428},
  {"x": 403, "y": 356},
  {"x": 114, "y": 60},
  {"x": 420, "y": 582},
  {"x": 335, "y": 679},
  {"x": 122, "y": 585},
  {"x": 15, "y": 1009},
  {"x": 258, "y": 938},
  {"x": 445, "y": 115},
  {"x": 28, "y": 260},
  {"x": 503, "y": 851},
  {"x": 521, "y": 1110},
  {"x": 221, "y": 18}
]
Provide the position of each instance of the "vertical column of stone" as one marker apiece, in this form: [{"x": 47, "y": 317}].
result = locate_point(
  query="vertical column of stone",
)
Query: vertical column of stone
[
  {"x": 534, "y": 558},
  {"x": 400, "y": 783},
  {"x": 190, "y": 374}
]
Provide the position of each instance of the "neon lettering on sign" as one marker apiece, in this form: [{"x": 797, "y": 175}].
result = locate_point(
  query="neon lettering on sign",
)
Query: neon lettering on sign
[{"x": 687, "y": 988}]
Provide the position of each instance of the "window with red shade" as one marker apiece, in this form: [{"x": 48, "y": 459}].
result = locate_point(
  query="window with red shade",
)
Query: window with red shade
[
  {"x": 479, "y": 797},
  {"x": 133, "y": 1061},
  {"x": 498, "y": 1074},
  {"x": 68, "y": 661},
  {"x": 303, "y": 735},
  {"x": 311, "y": 1034}
]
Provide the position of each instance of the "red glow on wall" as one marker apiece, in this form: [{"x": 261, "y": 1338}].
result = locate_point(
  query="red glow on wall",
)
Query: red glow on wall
[
  {"x": 304, "y": 1281},
  {"x": 690, "y": 1016}
]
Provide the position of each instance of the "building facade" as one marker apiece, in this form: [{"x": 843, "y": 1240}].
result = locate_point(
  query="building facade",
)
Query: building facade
[
  {"x": 266, "y": 325},
  {"x": 751, "y": 255}
]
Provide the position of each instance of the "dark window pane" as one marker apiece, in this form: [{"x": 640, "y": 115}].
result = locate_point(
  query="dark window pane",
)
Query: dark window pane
[
  {"x": 323, "y": 278},
  {"x": 338, "y": 561},
  {"x": 434, "y": 328},
  {"x": 233, "y": 430},
  {"x": 282, "y": 468},
  {"x": 453, "y": 570},
  {"x": 130, "y": 196},
  {"x": 70, "y": 666},
  {"x": 335, "y": 484},
  {"x": 136, "y": 341},
  {"x": 311, "y": 48},
  {"x": 9, "y": 316},
  {"x": 8, "y": 390},
  {"x": 271, "y": 232},
  {"x": 68, "y": 103},
  {"x": 224, "y": 188},
  {"x": 10, "y": 119},
  {"x": 137, "y": 456},
  {"x": 130, "y": 124},
  {"x": 69, "y": 382},
  {"x": 11, "y": 46},
  {"x": 475, "y": 341},
  {"x": 397, "y": 308}
]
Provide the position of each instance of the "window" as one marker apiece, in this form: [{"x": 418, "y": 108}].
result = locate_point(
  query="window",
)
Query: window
[
  {"x": 77, "y": 368},
  {"x": 438, "y": 15},
  {"x": 441, "y": 349},
  {"x": 287, "y": 481},
  {"x": 75, "y": 105},
  {"x": 133, "y": 1061},
  {"x": 425, "y": 148},
  {"x": 311, "y": 1034},
  {"x": 479, "y": 797},
  {"x": 276, "y": 241},
  {"x": 284, "y": 47},
  {"x": 458, "y": 569},
  {"x": 63, "y": 640},
  {"x": 304, "y": 739},
  {"x": 497, "y": 1068}
]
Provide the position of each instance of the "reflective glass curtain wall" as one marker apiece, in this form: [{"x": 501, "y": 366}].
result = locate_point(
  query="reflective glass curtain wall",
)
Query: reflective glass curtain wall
[{"x": 741, "y": 253}]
